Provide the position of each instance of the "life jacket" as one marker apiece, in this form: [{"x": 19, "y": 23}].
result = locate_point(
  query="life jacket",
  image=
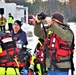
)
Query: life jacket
[
  {"x": 10, "y": 53},
  {"x": 55, "y": 47}
]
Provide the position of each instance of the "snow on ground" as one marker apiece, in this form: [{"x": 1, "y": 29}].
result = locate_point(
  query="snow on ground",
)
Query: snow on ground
[
  {"x": 33, "y": 39},
  {"x": 73, "y": 27}
]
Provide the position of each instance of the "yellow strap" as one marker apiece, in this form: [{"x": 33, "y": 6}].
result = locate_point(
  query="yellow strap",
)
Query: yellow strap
[
  {"x": 39, "y": 69},
  {"x": 32, "y": 59},
  {"x": 0, "y": 49},
  {"x": 16, "y": 62},
  {"x": 39, "y": 42}
]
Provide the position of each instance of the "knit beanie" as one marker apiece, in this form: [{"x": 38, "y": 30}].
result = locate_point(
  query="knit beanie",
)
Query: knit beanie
[
  {"x": 19, "y": 22},
  {"x": 58, "y": 16}
]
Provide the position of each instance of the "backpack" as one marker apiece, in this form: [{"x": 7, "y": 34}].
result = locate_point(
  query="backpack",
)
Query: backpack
[{"x": 11, "y": 55}]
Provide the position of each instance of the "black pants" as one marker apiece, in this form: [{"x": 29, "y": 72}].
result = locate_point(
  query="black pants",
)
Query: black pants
[
  {"x": 10, "y": 26},
  {"x": 2, "y": 28}
]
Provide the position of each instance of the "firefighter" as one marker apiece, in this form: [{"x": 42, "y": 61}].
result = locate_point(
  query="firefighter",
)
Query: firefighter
[
  {"x": 10, "y": 21},
  {"x": 3, "y": 22}
]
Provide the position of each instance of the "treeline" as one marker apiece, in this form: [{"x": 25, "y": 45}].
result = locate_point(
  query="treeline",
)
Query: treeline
[{"x": 68, "y": 9}]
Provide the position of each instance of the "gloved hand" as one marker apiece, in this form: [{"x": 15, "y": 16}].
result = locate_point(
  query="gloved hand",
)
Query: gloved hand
[{"x": 41, "y": 16}]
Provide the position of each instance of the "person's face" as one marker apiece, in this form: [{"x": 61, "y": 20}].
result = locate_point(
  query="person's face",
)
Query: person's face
[{"x": 16, "y": 27}]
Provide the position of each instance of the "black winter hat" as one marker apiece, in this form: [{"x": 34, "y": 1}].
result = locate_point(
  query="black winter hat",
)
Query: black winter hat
[
  {"x": 58, "y": 16},
  {"x": 9, "y": 13},
  {"x": 19, "y": 22}
]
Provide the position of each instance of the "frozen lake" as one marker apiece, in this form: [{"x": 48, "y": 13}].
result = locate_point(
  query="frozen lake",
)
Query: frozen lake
[{"x": 33, "y": 39}]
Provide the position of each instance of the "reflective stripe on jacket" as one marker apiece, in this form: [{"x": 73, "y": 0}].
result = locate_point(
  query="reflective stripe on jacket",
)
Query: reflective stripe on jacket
[{"x": 2, "y": 22}]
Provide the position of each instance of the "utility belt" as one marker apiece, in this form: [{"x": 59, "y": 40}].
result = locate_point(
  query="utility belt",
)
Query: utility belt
[{"x": 9, "y": 71}]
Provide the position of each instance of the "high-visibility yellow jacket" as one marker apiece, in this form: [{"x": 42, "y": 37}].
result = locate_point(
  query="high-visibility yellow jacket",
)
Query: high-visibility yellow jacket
[
  {"x": 3, "y": 21},
  {"x": 10, "y": 19}
]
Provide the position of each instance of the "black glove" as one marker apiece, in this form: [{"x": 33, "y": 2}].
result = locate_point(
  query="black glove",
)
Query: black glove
[{"x": 41, "y": 16}]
